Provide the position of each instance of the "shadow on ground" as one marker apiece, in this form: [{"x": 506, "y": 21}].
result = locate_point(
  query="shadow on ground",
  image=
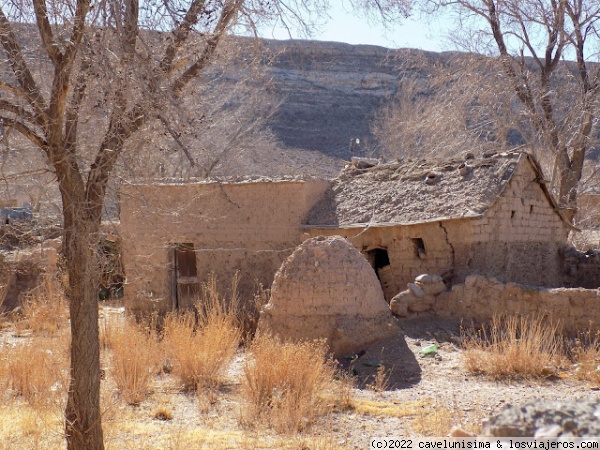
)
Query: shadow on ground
[{"x": 400, "y": 354}]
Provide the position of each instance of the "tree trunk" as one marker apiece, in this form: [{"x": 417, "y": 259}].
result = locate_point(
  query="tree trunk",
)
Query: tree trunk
[{"x": 83, "y": 425}]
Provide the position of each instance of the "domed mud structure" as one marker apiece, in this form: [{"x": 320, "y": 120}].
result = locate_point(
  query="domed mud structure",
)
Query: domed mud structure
[{"x": 327, "y": 290}]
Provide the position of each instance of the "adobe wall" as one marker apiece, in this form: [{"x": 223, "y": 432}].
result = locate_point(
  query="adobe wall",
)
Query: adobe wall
[
  {"x": 406, "y": 260},
  {"x": 250, "y": 227},
  {"x": 479, "y": 298},
  {"x": 519, "y": 239}
]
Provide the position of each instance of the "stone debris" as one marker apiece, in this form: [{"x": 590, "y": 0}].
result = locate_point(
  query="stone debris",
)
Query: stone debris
[
  {"x": 547, "y": 419},
  {"x": 327, "y": 290},
  {"x": 419, "y": 297}
]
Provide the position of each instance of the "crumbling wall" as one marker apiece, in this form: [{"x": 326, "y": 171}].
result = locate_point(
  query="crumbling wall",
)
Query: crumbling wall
[
  {"x": 327, "y": 290},
  {"x": 479, "y": 298},
  {"x": 250, "y": 227},
  {"x": 582, "y": 269},
  {"x": 412, "y": 249}
]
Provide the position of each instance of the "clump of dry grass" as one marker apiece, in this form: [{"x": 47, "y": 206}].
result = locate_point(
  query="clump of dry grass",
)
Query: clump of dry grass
[
  {"x": 136, "y": 358},
  {"x": 381, "y": 380},
  {"x": 34, "y": 371},
  {"x": 200, "y": 351},
  {"x": 586, "y": 355},
  {"x": 514, "y": 347},
  {"x": 284, "y": 383},
  {"x": 45, "y": 308}
]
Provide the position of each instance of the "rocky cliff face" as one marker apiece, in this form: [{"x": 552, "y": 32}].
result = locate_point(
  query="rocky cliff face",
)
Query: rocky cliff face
[{"x": 332, "y": 91}]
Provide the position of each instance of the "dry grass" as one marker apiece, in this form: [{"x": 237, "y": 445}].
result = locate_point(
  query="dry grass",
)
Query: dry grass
[
  {"x": 586, "y": 355},
  {"x": 514, "y": 347},
  {"x": 433, "y": 421},
  {"x": 35, "y": 371},
  {"x": 381, "y": 380},
  {"x": 284, "y": 384},
  {"x": 200, "y": 352},
  {"x": 45, "y": 308},
  {"x": 136, "y": 357}
]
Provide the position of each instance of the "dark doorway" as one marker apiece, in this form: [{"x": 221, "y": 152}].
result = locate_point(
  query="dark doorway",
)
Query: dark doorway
[
  {"x": 185, "y": 283},
  {"x": 380, "y": 261},
  {"x": 379, "y": 258}
]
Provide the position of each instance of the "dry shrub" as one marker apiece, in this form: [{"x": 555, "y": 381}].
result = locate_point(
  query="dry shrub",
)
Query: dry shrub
[
  {"x": 586, "y": 355},
  {"x": 284, "y": 383},
  {"x": 45, "y": 308},
  {"x": 34, "y": 371},
  {"x": 433, "y": 421},
  {"x": 514, "y": 347},
  {"x": 201, "y": 351},
  {"x": 136, "y": 358}
]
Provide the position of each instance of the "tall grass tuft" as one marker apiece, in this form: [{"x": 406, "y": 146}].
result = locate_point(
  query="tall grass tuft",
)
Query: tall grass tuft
[
  {"x": 284, "y": 384},
  {"x": 136, "y": 358},
  {"x": 202, "y": 346},
  {"x": 45, "y": 308},
  {"x": 586, "y": 355},
  {"x": 34, "y": 371},
  {"x": 514, "y": 347}
]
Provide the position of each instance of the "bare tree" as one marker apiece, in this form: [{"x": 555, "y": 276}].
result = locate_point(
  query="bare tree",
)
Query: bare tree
[
  {"x": 123, "y": 63},
  {"x": 445, "y": 105},
  {"x": 546, "y": 49}
]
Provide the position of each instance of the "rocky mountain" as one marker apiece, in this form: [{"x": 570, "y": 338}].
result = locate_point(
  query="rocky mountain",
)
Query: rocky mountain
[{"x": 331, "y": 91}]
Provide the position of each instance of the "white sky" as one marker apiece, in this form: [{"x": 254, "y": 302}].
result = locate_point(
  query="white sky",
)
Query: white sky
[{"x": 346, "y": 26}]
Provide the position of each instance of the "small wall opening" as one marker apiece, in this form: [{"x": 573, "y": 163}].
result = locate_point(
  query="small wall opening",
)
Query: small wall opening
[
  {"x": 378, "y": 257},
  {"x": 419, "y": 247}
]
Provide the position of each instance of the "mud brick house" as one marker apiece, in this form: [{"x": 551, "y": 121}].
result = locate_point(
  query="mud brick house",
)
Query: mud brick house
[{"x": 490, "y": 215}]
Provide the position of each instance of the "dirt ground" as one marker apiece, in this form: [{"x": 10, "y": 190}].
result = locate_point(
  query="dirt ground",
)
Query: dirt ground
[
  {"x": 426, "y": 396},
  {"x": 442, "y": 383}
]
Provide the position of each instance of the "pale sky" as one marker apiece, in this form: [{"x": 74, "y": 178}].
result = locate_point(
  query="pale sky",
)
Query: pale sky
[{"x": 346, "y": 26}]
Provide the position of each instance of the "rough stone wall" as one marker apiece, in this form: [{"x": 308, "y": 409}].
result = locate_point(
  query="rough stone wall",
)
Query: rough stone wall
[
  {"x": 327, "y": 290},
  {"x": 401, "y": 242},
  {"x": 479, "y": 298},
  {"x": 246, "y": 227}
]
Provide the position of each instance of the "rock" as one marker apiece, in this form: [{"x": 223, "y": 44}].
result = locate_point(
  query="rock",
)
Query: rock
[
  {"x": 405, "y": 303},
  {"x": 421, "y": 304},
  {"x": 416, "y": 290},
  {"x": 430, "y": 284},
  {"x": 399, "y": 303},
  {"x": 547, "y": 419},
  {"x": 458, "y": 432}
]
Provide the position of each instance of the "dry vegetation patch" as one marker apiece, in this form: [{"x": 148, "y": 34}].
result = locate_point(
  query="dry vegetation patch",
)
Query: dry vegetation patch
[
  {"x": 268, "y": 394},
  {"x": 515, "y": 347},
  {"x": 284, "y": 384}
]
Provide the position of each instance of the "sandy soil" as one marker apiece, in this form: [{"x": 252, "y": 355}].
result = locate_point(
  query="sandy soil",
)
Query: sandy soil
[{"x": 425, "y": 396}]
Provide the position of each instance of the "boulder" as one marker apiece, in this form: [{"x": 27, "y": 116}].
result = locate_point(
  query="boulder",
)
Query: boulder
[
  {"x": 430, "y": 284},
  {"x": 547, "y": 419}
]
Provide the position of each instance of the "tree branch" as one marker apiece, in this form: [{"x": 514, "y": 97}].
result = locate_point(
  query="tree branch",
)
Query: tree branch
[
  {"x": 43, "y": 24},
  {"x": 9, "y": 122},
  {"x": 20, "y": 68},
  {"x": 181, "y": 34},
  {"x": 228, "y": 13}
]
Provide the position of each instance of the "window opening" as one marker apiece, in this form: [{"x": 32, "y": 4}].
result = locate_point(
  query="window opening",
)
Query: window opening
[{"x": 419, "y": 247}]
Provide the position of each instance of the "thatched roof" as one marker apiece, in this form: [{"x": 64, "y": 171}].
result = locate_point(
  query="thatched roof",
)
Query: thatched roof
[{"x": 417, "y": 191}]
